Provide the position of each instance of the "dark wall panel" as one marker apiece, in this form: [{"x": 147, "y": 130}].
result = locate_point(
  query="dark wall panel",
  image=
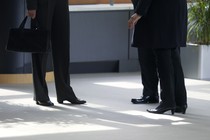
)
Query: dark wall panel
[{"x": 11, "y": 14}]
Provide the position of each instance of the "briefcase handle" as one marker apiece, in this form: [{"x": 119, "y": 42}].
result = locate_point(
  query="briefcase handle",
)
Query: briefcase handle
[
  {"x": 22, "y": 25},
  {"x": 34, "y": 23}
]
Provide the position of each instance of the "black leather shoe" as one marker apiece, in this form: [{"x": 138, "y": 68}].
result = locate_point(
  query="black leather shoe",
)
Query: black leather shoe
[
  {"x": 146, "y": 100},
  {"x": 77, "y": 101},
  {"x": 181, "y": 109},
  {"x": 162, "y": 109},
  {"x": 45, "y": 103}
]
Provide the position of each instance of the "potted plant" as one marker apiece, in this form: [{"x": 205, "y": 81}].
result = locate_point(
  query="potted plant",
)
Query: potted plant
[
  {"x": 199, "y": 22},
  {"x": 196, "y": 57}
]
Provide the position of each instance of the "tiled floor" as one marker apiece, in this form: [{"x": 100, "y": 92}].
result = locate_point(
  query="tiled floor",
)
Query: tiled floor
[{"x": 108, "y": 114}]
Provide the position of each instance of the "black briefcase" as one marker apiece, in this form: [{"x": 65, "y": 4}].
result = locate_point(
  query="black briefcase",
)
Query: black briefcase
[{"x": 32, "y": 40}]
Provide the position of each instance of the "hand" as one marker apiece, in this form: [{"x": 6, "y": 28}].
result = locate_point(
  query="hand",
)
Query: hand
[
  {"x": 133, "y": 20},
  {"x": 32, "y": 14}
]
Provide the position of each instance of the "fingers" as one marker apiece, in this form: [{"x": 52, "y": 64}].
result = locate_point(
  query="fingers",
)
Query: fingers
[
  {"x": 130, "y": 24},
  {"x": 133, "y": 20},
  {"x": 31, "y": 13}
]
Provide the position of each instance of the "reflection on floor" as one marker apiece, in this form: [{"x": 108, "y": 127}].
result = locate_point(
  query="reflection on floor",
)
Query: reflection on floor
[{"x": 108, "y": 114}]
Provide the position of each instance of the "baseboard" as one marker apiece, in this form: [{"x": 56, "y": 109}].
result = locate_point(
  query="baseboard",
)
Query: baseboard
[{"x": 94, "y": 67}]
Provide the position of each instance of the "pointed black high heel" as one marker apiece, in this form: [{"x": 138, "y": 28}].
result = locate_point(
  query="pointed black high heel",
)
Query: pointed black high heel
[
  {"x": 45, "y": 103},
  {"x": 161, "y": 110},
  {"x": 181, "y": 109},
  {"x": 76, "y": 101}
]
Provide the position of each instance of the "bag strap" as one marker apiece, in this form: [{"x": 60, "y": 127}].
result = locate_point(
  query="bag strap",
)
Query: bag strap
[
  {"x": 34, "y": 23},
  {"x": 22, "y": 25}
]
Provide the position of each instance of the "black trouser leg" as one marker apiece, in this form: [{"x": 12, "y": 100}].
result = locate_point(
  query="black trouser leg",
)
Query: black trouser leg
[
  {"x": 39, "y": 62},
  {"x": 149, "y": 72},
  {"x": 60, "y": 50},
  {"x": 166, "y": 75},
  {"x": 180, "y": 89}
]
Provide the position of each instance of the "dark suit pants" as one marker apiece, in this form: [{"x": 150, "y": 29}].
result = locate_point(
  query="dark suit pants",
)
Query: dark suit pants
[
  {"x": 180, "y": 89},
  {"x": 151, "y": 59},
  {"x": 149, "y": 74},
  {"x": 53, "y": 15}
]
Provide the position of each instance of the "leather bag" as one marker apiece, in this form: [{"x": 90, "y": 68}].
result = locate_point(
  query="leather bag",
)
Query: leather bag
[{"x": 33, "y": 40}]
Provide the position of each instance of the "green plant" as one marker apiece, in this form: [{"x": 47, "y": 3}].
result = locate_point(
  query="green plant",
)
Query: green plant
[{"x": 199, "y": 22}]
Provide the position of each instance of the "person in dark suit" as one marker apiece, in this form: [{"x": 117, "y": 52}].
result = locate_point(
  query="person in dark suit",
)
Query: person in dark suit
[
  {"x": 52, "y": 15},
  {"x": 160, "y": 29}
]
